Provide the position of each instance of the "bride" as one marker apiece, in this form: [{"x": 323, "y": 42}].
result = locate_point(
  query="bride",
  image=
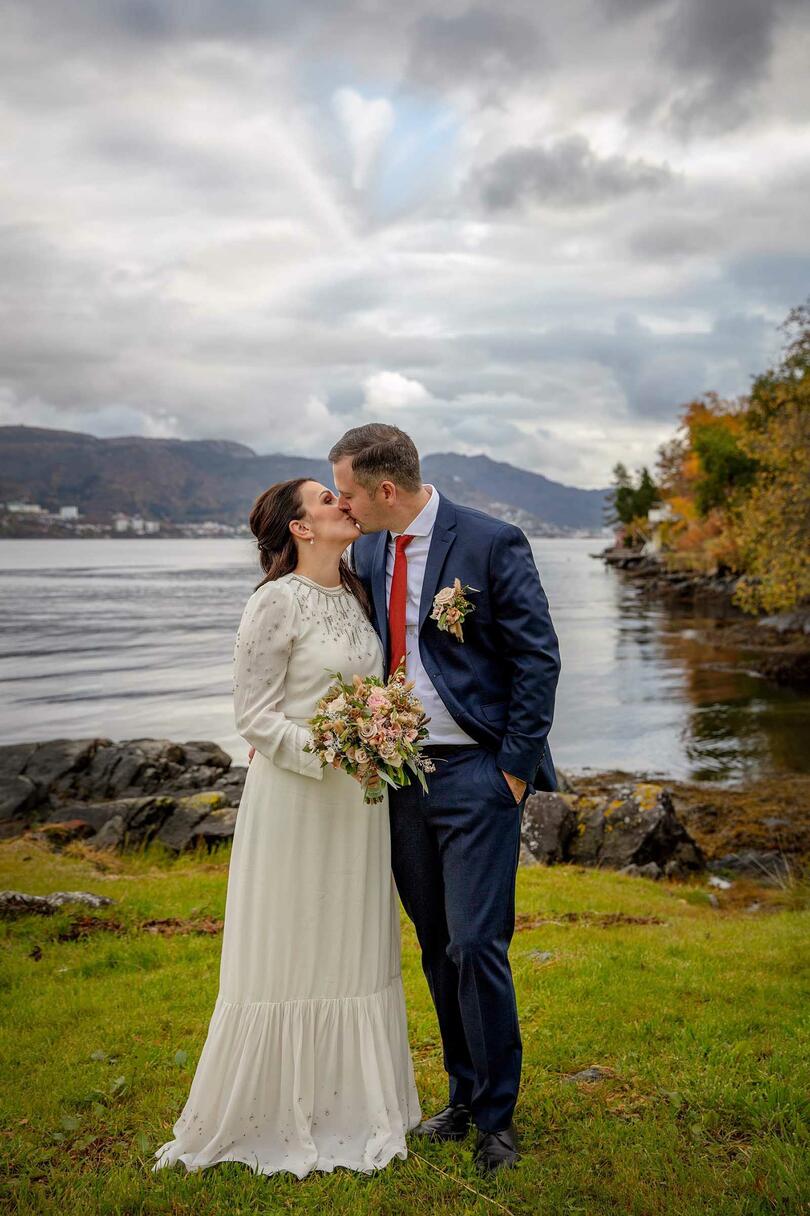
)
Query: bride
[{"x": 306, "y": 1065}]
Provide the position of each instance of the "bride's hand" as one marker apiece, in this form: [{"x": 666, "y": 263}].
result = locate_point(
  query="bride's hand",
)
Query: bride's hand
[{"x": 251, "y": 754}]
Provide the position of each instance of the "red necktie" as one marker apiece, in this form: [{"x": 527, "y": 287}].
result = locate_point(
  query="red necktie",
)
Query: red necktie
[{"x": 396, "y": 604}]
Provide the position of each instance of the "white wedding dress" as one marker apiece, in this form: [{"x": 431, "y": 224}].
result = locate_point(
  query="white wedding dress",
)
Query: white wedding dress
[{"x": 306, "y": 1065}]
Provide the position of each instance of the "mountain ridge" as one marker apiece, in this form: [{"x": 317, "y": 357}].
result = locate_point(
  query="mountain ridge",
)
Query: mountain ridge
[{"x": 192, "y": 480}]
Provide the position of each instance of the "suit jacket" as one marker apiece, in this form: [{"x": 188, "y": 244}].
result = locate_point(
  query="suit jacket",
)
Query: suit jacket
[{"x": 500, "y": 682}]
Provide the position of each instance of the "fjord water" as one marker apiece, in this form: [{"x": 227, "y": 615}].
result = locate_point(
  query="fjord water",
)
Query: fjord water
[{"x": 134, "y": 638}]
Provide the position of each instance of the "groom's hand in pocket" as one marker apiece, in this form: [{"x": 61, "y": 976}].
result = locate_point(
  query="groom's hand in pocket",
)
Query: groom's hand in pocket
[{"x": 515, "y": 784}]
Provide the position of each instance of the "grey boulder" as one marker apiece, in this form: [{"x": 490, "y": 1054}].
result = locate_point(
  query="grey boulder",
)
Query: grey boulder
[{"x": 636, "y": 831}]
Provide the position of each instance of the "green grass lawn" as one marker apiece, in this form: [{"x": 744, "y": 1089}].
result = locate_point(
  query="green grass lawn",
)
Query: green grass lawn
[{"x": 699, "y": 1014}]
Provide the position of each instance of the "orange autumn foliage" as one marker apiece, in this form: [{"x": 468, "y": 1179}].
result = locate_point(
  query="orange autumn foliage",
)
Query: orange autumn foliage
[
  {"x": 694, "y": 540},
  {"x": 736, "y": 479}
]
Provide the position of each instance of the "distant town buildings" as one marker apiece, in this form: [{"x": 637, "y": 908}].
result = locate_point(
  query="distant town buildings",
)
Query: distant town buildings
[
  {"x": 34, "y": 508},
  {"x": 25, "y": 508},
  {"x": 31, "y": 519},
  {"x": 135, "y": 523},
  {"x": 212, "y": 527},
  {"x": 26, "y": 519}
]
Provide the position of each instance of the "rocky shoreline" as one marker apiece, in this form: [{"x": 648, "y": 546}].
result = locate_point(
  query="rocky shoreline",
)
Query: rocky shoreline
[
  {"x": 775, "y": 645},
  {"x": 121, "y": 795}
]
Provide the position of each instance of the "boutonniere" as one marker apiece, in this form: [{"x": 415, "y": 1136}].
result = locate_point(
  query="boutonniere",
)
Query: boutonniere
[{"x": 450, "y": 606}]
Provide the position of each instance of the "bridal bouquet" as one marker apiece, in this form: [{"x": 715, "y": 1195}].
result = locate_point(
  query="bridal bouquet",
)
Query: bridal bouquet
[{"x": 375, "y": 731}]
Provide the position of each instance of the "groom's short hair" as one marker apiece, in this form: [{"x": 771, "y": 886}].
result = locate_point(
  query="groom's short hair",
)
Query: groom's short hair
[{"x": 380, "y": 452}]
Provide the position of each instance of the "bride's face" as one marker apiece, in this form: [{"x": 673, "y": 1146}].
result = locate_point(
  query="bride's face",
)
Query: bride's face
[{"x": 323, "y": 518}]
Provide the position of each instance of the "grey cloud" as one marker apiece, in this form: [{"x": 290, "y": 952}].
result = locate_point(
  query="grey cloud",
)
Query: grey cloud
[
  {"x": 655, "y": 372},
  {"x": 25, "y": 256},
  {"x": 780, "y": 279},
  {"x": 451, "y": 380},
  {"x": 727, "y": 39},
  {"x": 565, "y": 173},
  {"x": 347, "y": 399},
  {"x": 630, "y": 8},
  {"x": 69, "y": 335},
  {"x": 719, "y": 53},
  {"x": 491, "y": 430},
  {"x": 341, "y": 296},
  {"x": 483, "y": 45},
  {"x": 144, "y": 18},
  {"x": 672, "y": 238},
  {"x": 136, "y": 150},
  {"x": 145, "y": 22}
]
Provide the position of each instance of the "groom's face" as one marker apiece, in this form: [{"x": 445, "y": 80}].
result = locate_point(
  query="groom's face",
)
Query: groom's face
[{"x": 364, "y": 509}]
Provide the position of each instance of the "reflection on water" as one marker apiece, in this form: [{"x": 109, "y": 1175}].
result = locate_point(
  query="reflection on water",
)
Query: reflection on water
[
  {"x": 738, "y": 720},
  {"x": 134, "y": 638}
]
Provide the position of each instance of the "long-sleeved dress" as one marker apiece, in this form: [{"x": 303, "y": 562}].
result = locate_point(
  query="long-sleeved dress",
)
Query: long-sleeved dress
[{"x": 306, "y": 1065}]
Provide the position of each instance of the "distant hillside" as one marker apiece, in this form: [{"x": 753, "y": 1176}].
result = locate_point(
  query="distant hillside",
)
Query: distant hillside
[
  {"x": 188, "y": 481},
  {"x": 479, "y": 481}
]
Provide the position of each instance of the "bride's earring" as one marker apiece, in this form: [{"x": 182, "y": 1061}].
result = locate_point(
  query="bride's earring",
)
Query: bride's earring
[{"x": 312, "y": 540}]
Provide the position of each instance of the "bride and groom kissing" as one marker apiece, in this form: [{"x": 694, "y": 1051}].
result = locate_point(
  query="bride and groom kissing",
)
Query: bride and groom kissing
[{"x": 307, "y": 1065}]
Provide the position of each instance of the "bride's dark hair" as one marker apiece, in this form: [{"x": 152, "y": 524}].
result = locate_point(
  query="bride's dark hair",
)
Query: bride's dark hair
[{"x": 270, "y": 518}]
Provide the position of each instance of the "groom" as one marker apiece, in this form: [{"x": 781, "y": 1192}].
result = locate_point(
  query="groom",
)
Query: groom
[{"x": 490, "y": 698}]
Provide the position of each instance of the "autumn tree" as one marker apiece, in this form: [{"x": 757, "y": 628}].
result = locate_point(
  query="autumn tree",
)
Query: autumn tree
[
  {"x": 772, "y": 522},
  {"x": 699, "y": 473},
  {"x": 630, "y": 504},
  {"x": 726, "y": 468}
]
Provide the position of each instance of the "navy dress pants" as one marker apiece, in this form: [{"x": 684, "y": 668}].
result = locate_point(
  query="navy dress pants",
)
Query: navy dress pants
[{"x": 454, "y": 854}]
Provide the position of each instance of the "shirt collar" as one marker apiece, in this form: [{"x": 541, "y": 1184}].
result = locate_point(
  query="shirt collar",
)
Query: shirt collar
[{"x": 423, "y": 524}]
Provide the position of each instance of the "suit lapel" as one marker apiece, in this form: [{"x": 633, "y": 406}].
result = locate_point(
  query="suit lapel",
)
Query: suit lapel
[
  {"x": 378, "y": 588},
  {"x": 441, "y": 541}
]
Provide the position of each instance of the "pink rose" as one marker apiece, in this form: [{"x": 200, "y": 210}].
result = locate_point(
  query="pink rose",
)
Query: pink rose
[{"x": 444, "y": 596}]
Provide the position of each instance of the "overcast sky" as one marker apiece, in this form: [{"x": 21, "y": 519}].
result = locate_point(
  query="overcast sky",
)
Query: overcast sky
[{"x": 527, "y": 230}]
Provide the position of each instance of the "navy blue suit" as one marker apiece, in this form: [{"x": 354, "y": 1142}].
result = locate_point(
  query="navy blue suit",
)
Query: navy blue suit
[{"x": 454, "y": 850}]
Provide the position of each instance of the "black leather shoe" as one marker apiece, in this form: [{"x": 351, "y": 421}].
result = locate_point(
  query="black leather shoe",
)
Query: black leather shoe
[
  {"x": 452, "y": 1123},
  {"x": 496, "y": 1150}
]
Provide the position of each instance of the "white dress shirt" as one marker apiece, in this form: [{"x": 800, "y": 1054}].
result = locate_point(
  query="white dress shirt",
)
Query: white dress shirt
[{"x": 443, "y": 727}]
